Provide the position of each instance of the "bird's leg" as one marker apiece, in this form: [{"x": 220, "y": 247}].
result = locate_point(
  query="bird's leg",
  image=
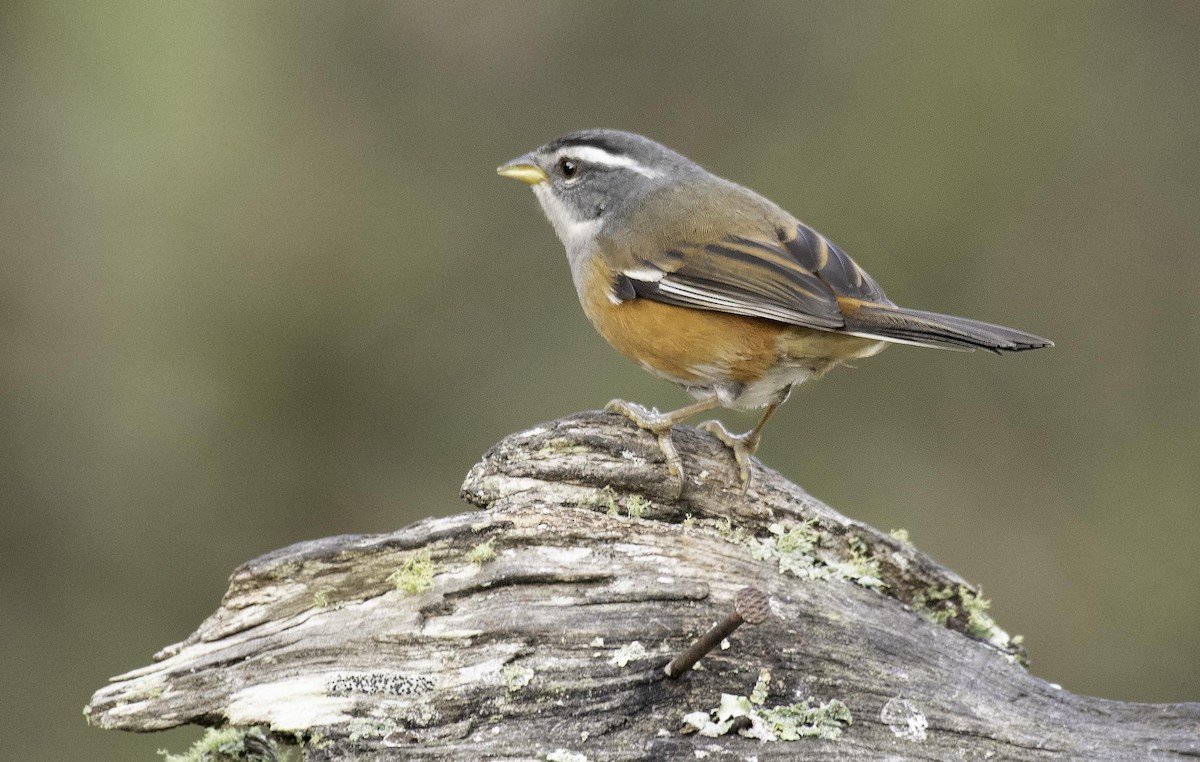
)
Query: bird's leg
[
  {"x": 660, "y": 425},
  {"x": 743, "y": 445}
]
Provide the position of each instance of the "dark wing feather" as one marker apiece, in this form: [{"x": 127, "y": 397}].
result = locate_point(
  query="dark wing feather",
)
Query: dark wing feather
[
  {"x": 799, "y": 277},
  {"x": 833, "y": 266},
  {"x": 795, "y": 276}
]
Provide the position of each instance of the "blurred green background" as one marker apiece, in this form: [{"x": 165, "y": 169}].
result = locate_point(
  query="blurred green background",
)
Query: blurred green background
[{"x": 261, "y": 284}]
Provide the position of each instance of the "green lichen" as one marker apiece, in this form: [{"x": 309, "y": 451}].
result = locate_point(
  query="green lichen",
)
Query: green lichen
[
  {"x": 228, "y": 745},
  {"x": 979, "y": 624},
  {"x": 516, "y": 677},
  {"x": 361, "y": 728},
  {"x": 899, "y": 534},
  {"x": 762, "y": 687},
  {"x": 799, "y": 552},
  {"x": 797, "y": 540},
  {"x": 689, "y": 521},
  {"x": 636, "y": 505},
  {"x": 608, "y": 501},
  {"x": 785, "y": 722},
  {"x": 794, "y": 548},
  {"x": 941, "y": 605},
  {"x": 416, "y": 574},
  {"x": 481, "y": 553},
  {"x": 936, "y": 604},
  {"x": 805, "y": 719},
  {"x": 724, "y": 527},
  {"x": 862, "y": 566}
]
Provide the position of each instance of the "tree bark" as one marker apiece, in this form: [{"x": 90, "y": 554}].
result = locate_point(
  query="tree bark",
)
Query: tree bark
[{"x": 538, "y": 627}]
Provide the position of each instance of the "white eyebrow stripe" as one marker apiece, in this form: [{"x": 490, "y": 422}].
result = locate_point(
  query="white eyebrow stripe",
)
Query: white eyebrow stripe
[{"x": 594, "y": 155}]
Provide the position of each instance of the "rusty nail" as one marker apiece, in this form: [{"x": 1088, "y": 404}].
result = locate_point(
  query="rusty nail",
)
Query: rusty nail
[{"x": 751, "y": 605}]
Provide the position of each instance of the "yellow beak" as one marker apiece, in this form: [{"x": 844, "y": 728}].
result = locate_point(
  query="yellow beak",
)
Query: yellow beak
[{"x": 530, "y": 174}]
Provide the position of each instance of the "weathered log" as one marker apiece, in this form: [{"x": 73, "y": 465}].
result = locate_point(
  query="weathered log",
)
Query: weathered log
[{"x": 538, "y": 627}]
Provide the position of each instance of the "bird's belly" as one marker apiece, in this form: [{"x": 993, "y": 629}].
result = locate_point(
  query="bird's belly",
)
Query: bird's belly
[
  {"x": 772, "y": 388},
  {"x": 801, "y": 354}
]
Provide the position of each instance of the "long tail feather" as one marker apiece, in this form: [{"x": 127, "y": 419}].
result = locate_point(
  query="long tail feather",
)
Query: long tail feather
[{"x": 932, "y": 329}]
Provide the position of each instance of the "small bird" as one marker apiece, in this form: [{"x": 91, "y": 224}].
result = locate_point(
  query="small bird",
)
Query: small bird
[{"x": 707, "y": 284}]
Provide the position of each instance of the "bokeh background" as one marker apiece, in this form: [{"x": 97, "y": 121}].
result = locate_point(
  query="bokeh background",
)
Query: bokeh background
[{"x": 260, "y": 284}]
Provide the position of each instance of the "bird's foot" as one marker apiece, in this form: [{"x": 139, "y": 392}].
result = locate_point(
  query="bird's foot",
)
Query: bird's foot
[
  {"x": 658, "y": 424},
  {"x": 743, "y": 446}
]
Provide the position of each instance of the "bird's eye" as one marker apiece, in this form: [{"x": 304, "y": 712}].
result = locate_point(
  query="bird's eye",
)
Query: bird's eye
[{"x": 568, "y": 168}]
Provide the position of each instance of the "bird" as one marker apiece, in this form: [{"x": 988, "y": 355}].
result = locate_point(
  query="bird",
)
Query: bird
[{"x": 709, "y": 285}]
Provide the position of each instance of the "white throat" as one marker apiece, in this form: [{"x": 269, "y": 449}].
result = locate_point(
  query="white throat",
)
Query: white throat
[{"x": 577, "y": 235}]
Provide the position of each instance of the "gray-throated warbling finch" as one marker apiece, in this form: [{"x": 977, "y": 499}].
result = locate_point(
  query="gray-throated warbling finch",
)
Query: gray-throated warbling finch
[{"x": 709, "y": 285}]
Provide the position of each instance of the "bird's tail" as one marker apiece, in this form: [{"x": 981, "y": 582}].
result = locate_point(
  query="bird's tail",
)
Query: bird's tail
[{"x": 931, "y": 329}]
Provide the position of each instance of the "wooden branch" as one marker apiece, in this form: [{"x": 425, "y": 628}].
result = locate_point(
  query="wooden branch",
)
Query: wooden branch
[{"x": 540, "y": 625}]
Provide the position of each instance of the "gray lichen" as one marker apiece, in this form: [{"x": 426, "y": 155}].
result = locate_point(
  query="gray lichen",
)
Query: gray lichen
[
  {"x": 631, "y": 652},
  {"x": 516, "y": 677},
  {"x": 380, "y": 683}
]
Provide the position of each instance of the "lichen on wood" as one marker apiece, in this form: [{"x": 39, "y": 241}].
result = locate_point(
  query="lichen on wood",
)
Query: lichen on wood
[{"x": 537, "y": 626}]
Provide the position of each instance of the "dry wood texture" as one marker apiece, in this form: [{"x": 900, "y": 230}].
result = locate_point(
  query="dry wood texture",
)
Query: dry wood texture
[{"x": 538, "y": 627}]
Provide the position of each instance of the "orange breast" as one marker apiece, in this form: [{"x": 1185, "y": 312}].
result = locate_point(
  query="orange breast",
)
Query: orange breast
[{"x": 685, "y": 345}]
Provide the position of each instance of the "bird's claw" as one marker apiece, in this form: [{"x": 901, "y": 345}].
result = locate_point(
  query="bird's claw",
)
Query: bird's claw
[
  {"x": 659, "y": 425},
  {"x": 743, "y": 446}
]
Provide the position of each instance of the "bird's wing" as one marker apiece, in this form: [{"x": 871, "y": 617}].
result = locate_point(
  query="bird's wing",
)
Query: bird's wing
[{"x": 791, "y": 275}]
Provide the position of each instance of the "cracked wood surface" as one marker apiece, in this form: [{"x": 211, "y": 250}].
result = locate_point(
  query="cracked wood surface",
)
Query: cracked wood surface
[{"x": 530, "y": 653}]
